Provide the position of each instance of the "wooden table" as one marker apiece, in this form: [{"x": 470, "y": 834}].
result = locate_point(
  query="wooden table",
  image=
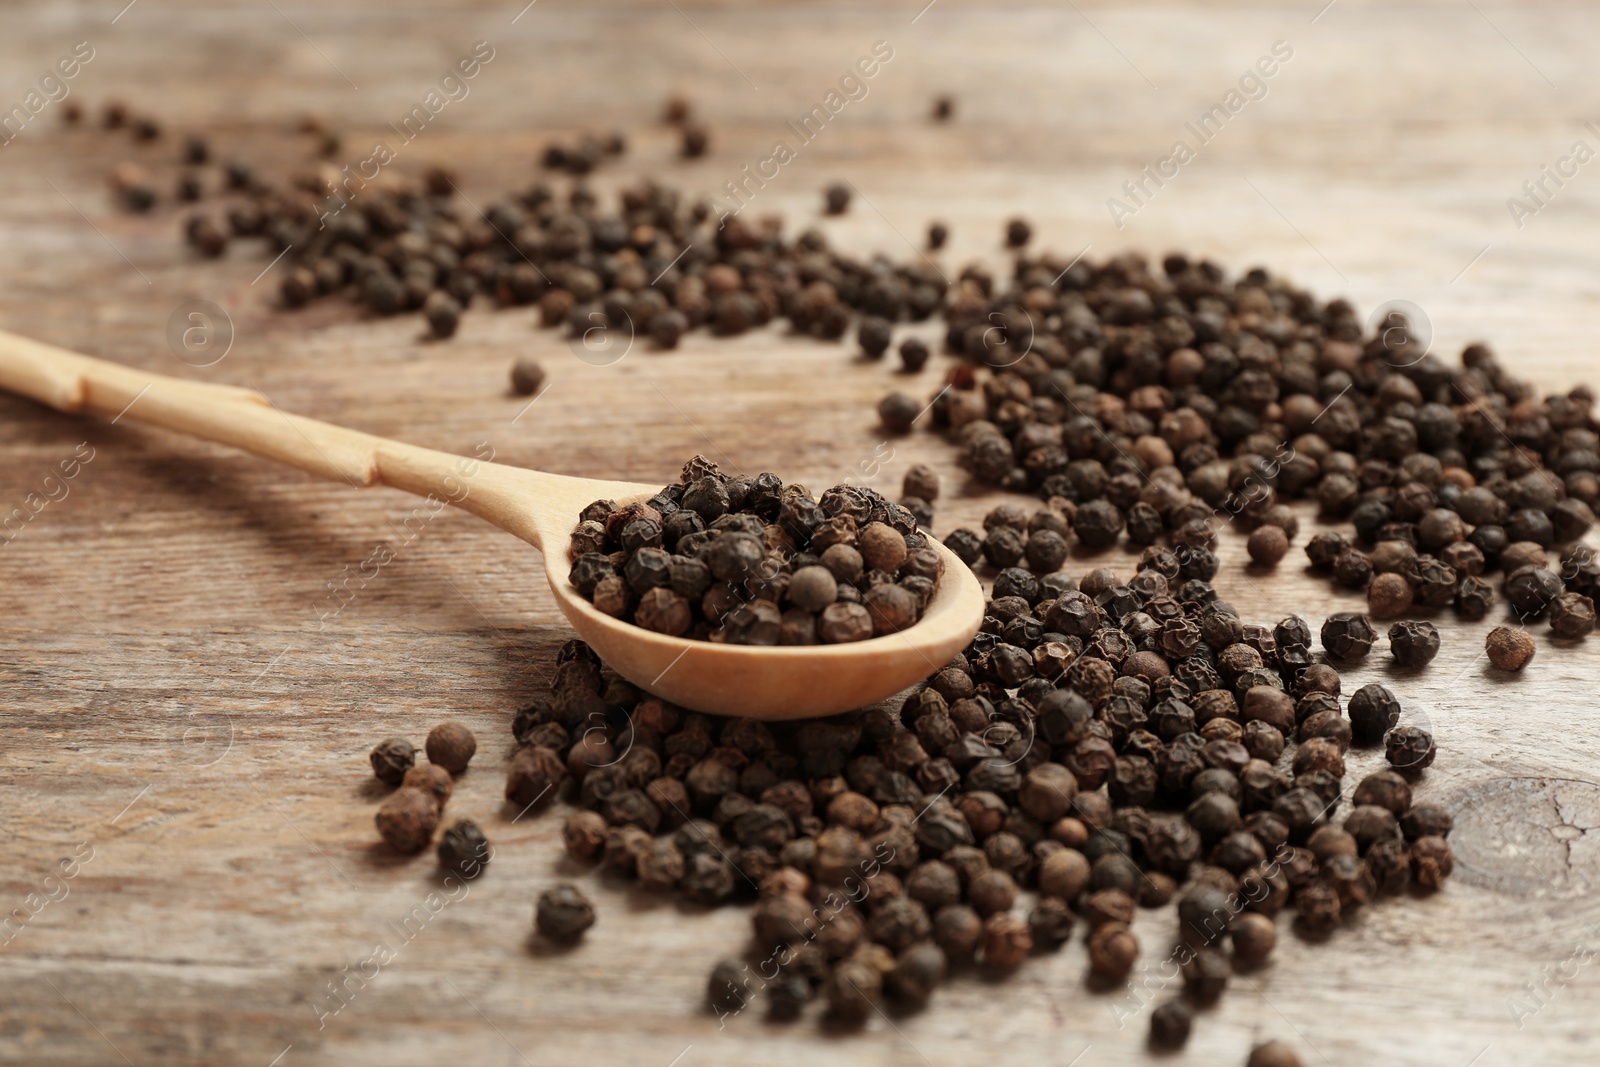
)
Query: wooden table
[{"x": 178, "y": 710}]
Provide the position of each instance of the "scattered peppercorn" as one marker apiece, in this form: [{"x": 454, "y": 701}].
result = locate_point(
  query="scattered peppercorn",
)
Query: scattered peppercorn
[
  {"x": 1389, "y": 595},
  {"x": 1268, "y": 545},
  {"x": 1273, "y": 1054},
  {"x": 1373, "y": 712},
  {"x": 1348, "y": 636},
  {"x": 463, "y": 849},
  {"x": 563, "y": 913},
  {"x": 836, "y": 198},
  {"x": 451, "y": 746},
  {"x": 133, "y": 187},
  {"x": 431, "y": 779},
  {"x": 898, "y": 411},
  {"x": 1112, "y": 952},
  {"x": 527, "y": 376},
  {"x": 442, "y": 312},
  {"x": 391, "y": 759},
  {"x": 696, "y": 141},
  {"x": 1572, "y": 616},
  {"x": 1170, "y": 1023},
  {"x": 406, "y": 820},
  {"x": 1413, "y": 644},
  {"x": 913, "y": 354},
  {"x": 1509, "y": 648}
]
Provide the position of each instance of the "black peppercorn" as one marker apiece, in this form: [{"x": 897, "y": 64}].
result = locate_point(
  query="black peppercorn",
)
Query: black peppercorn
[
  {"x": 1413, "y": 644},
  {"x": 391, "y": 759},
  {"x": 1170, "y": 1023},
  {"x": 463, "y": 849},
  {"x": 563, "y": 913},
  {"x": 1373, "y": 712},
  {"x": 1572, "y": 616},
  {"x": 1348, "y": 635},
  {"x": 913, "y": 354},
  {"x": 898, "y": 411}
]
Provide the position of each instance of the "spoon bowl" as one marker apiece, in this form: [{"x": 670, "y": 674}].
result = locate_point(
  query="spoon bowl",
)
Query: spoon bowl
[{"x": 762, "y": 682}]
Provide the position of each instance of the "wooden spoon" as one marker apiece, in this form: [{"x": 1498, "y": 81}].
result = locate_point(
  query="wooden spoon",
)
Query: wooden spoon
[{"x": 542, "y": 509}]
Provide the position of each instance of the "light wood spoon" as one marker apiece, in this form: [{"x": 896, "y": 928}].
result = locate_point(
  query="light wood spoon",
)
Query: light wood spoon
[{"x": 542, "y": 509}]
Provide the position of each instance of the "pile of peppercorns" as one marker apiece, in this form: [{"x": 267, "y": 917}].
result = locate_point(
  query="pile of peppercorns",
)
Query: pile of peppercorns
[
  {"x": 752, "y": 561},
  {"x": 1106, "y": 744},
  {"x": 1149, "y": 402},
  {"x": 408, "y": 818},
  {"x": 657, "y": 266}
]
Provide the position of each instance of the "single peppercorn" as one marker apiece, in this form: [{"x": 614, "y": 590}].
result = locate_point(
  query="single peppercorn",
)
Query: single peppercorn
[
  {"x": 463, "y": 849},
  {"x": 1431, "y": 862},
  {"x": 836, "y": 198},
  {"x": 913, "y": 355},
  {"x": 1409, "y": 749},
  {"x": 1273, "y": 1054},
  {"x": 563, "y": 913},
  {"x": 406, "y": 820},
  {"x": 1389, "y": 595},
  {"x": 1348, "y": 636},
  {"x": 1509, "y": 649},
  {"x": 898, "y": 411},
  {"x": 1373, "y": 711},
  {"x": 1253, "y": 937},
  {"x": 527, "y": 376},
  {"x": 696, "y": 141},
  {"x": 1112, "y": 952},
  {"x": 391, "y": 759},
  {"x": 432, "y": 779},
  {"x": 584, "y": 836},
  {"x": 451, "y": 746},
  {"x": 1572, "y": 616},
  {"x": 921, "y": 481},
  {"x": 1170, "y": 1023},
  {"x": 1413, "y": 644},
  {"x": 1267, "y": 545}
]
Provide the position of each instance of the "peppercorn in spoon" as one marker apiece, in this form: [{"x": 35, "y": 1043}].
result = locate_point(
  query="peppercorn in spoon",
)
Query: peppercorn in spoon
[{"x": 763, "y": 682}]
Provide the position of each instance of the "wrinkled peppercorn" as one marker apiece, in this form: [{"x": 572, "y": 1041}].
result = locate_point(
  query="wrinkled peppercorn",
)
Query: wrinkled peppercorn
[
  {"x": 1509, "y": 649},
  {"x": 563, "y": 913},
  {"x": 391, "y": 759},
  {"x": 1373, "y": 710},
  {"x": 1572, "y": 616},
  {"x": 1413, "y": 644},
  {"x": 1349, "y": 636}
]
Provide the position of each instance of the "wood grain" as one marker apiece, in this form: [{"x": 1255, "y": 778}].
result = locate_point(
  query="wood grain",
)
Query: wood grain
[{"x": 176, "y": 702}]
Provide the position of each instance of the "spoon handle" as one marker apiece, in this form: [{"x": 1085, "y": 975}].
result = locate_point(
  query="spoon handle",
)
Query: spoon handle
[{"x": 247, "y": 420}]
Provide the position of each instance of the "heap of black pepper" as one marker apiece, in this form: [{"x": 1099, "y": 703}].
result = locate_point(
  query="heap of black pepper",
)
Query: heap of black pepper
[
  {"x": 1104, "y": 744},
  {"x": 1139, "y": 398},
  {"x": 753, "y": 561},
  {"x": 1142, "y": 402}
]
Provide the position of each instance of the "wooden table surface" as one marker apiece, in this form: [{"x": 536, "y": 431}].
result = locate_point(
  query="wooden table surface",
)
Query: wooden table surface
[{"x": 180, "y": 718}]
